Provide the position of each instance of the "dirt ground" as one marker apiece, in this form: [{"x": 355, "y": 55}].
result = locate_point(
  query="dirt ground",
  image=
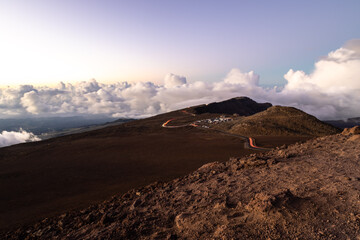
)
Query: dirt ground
[
  {"x": 43, "y": 179},
  {"x": 304, "y": 191}
]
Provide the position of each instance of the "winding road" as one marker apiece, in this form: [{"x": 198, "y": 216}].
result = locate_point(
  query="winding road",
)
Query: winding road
[{"x": 249, "y": 141}]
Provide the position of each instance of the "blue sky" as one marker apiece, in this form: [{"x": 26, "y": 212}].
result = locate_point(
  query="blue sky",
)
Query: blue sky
[{"x": 47, "y": 41}]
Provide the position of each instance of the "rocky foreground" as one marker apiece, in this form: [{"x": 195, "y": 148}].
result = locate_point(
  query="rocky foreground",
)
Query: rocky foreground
[{"x": 305, "y": 191}]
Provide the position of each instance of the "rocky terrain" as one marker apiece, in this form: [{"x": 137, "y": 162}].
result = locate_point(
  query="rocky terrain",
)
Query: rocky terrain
[
  {"x": 279, "y": 121},
  {"x": 304, "y": 191}
]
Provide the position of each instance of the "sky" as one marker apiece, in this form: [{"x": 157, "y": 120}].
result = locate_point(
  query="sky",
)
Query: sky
[
  {"x": 44, "y": 42},
  {"x": 141, "y": 58}
]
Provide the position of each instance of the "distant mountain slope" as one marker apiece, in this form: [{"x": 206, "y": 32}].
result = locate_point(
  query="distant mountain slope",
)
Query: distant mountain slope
[
  {"x": 53, "y": 124},
  {"x": 351, "y": 122},
  {"x": 279, "y": 121},
  {"x": 243, "y": 106},
  {"x": 75, "y": 130}
]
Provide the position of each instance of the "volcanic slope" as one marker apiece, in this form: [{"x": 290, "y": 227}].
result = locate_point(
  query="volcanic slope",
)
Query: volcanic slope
[
  {"x": 42, "y": 179},
  {"x": 304, "y": 191},
  {"x": 279, "y": 121},
  {"x": 242, "y": 106}
]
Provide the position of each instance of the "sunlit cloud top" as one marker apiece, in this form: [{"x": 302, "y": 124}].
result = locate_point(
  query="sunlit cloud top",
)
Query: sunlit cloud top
[{"x": 331, "y": 91}]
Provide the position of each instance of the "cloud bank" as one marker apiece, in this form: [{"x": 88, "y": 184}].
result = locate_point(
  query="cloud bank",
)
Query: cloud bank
[
  {"x": 10, "y": 138},
  {"x": 331, "y": 91}
]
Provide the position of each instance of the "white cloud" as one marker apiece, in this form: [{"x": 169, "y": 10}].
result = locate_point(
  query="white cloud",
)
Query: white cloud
[
  {"x": 172, "y": 80},
  {"x": 235, "y": 76},
  {"x": 10, "y": 138},
  {"x": 331, "y": 91}
]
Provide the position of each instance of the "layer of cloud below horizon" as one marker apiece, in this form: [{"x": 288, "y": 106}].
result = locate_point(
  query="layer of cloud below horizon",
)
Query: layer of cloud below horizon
[
  {"x": 8, "y": 138},
  {"x": 331, "y": 91}
]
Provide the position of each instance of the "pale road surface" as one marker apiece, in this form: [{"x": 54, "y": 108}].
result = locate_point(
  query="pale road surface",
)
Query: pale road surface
[{"x": 249, "y": 141}]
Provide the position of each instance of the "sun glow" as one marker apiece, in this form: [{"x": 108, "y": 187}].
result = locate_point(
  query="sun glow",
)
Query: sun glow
[
  {"x": 33, "y": 58},
  {"x": 32, "y": 52}
]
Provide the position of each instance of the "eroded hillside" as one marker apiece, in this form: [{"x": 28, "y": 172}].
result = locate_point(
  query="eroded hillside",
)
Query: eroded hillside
[{"x": 279, "y": 121}]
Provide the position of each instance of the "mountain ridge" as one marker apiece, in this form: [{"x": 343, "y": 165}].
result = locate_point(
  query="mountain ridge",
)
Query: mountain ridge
[{"x": 279, "y": 120}]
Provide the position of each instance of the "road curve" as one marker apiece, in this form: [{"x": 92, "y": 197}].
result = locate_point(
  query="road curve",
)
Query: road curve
[
  {"x": 165, "y": 124},
  {"x": 250, "y": 142},
  {"x": 253, "y": 144}
]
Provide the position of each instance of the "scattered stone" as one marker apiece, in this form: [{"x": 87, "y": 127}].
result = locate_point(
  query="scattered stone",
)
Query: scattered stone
[
  {"x": 264, "y": 202},
  {"x": 354, "y": 138},
  {"x": 351, "y": 131},
  {"x": 106, "y": 219},
  {"x": 135, "y": 204},
  {"x": 181, "y": 220},
  {"x": 209, "y": 166},
  {"x": 261, "y": 202},
  {"x": 285, "y": 154}
]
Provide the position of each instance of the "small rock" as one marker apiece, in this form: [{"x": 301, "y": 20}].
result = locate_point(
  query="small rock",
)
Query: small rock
[
  {"x": 38, "y": 233},
  {"x": 136, "y": 203},
  {"x": 106, "y": 219},
  {"x": 181, "y": 219},
  {"x": 220, "y": 230},
  {"x": 264, "y": 202},
  {"x": 90, "y": 217},
  {"x": 60, "y": 224},
  {"x": 285, "y": 154}
]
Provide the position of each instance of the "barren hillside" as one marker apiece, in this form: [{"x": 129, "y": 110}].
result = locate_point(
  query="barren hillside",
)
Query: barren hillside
[
  {"x": 45, "y": 178},
  {"x": 279, "y": 121},
  {"x": 304, "y": 191}
]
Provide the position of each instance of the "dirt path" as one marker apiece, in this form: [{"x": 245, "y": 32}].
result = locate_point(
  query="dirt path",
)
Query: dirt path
[{"x": 249, "y": 141}]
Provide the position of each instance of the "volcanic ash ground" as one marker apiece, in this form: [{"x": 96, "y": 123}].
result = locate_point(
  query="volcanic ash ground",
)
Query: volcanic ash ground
[{"x": 305, "y": 191}]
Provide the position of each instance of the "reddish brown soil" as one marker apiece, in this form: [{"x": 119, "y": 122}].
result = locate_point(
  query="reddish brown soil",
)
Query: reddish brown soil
[
  {"x": 305, "y": 191},
  {"x": 271, "y": 141},
  {"x": 46, "y": 178},
  {"x": 279, "y": 121}
]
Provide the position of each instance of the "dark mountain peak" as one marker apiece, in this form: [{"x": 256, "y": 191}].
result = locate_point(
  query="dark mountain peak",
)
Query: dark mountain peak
[
  {"x": 243, "y": 106},
  {"x": 241, "y": 98}
]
